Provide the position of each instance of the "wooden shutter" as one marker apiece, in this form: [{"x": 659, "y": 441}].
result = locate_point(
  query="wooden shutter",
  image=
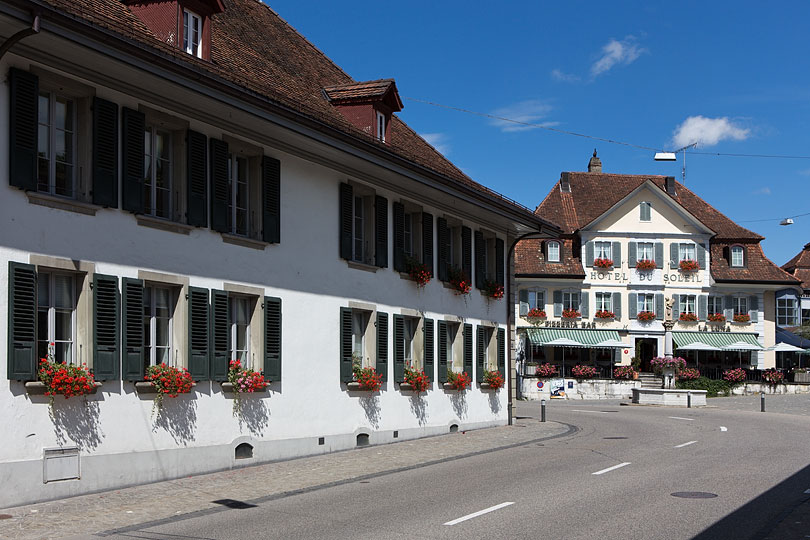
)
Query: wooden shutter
[
  {"x": 272, "y": 338},
  {"x": 427, "y": 328},
  {"x": 23, "y": 126},
  {"x": 399, "y": 348},
  {"x": 703, "y": 307},
  {"x": 105, "y": 327},
  {"x": 346, "y": 374},
  {"x": 427, "y": 241},
  {"x": 645, "y": 211},
  {"x": 501, "y": 339},
  {"x": 523, "y": 302},
  {"x": 480, "y": 262},
  {"x": 616, "y": 254},
  {"x": 631, "y": 254},
  {"x": 382, "y": 345},
  {"x": 753, "y": 307},
  {"x": 133, "y": 358},
  {"x": 199, "y": 331},
  {"x": 220, "y": 220},
  {"x": 700, "y": 253},
  {"x": 583, "y": 304},
  {"x": 443, "y": 234},
  {"x": 728, "y": 307},
  {"x": 558, "y": 305},
  {"x": 468, "y": 348},
  {"x": 197, "y": 189},
  {"x": 676, "y": 306},
  {"x": 673, "y": 255},
  {"x": 480, "y": 350},
  {"x": 442, "y": 351},
  {"x": 632, "y": 305},
  {"x": 588, "y": 254},
  {"x": 133, "y": 126},
  {"x": 105, "y": 154},
  {"x": 466, "y": 252},
  {"x": 659, "y": 254},
  {"x": 499, "y": 262},
  {"x": 346, "y": 205},
  {"x": 271, "y": 200},
  {"x": 659, "y": 306},
  {"x": 399, "y": 237},
  {"x": 617, "y": 305},
  {"x": 220, "y": 335},
  {"x": 22, "y": 321},
  {"x": 380, "y": 232}
]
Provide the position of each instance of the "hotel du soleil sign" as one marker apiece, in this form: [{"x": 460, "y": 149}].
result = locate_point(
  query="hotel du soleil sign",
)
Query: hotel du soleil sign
[{"x": 623, "y": 277}]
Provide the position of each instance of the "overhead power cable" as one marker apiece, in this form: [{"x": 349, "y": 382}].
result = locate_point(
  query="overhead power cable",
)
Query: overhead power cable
[{"x": 773, "y": 219}]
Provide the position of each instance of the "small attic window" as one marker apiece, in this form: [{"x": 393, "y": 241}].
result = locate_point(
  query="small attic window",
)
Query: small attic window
[
  {"x": 192, "y": 30},
  {"x": 380, "y": 126}
]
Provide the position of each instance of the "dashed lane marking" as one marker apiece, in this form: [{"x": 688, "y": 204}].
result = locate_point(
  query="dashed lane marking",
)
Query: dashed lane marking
[
  {"x": 479, "y": 513},
  {"x": 597, "y": 412},
  {"x": 685, "y": 444},
  {"x": 681, "y": 418},
  {"x": 619, "y": 466}
]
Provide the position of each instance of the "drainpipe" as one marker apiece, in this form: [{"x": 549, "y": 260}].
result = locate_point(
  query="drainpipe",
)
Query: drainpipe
[{"x": 24, "y": 33}]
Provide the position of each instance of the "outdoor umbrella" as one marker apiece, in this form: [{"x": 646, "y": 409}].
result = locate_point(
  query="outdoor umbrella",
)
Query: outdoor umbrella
[
  {"x": 741, "y": 346},
  {"x": 611, "y": 344},
  {"x": 786, "y": 347}
]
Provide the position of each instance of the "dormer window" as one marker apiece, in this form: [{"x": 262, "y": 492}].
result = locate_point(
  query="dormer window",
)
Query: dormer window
[
  {"x": 192, "y": 30},
  {"x": 737, "y": 256},
  {"x": 553, "y": 252},
  {"x": 380, "y": 126},
  {"x": 368, "y": 105}
]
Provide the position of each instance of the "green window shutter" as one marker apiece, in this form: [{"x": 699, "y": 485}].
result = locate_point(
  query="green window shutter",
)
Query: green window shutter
[
  {"x": 632, "y": 305},
  {"x": 499, "y": 262},
  {"x": 429, "y": 349},
  {"x": 631, "y": 255},
  {"x": 523, "y": 302},
  {"x": 22, "y": 322},
  {"x": 271, "y": 200},
  {"x": 616, "y": 253},
  {"x": 220, "y": 335},
  {"x": 382, "y": 345},
  {"x": 466, "y": 252},
  {"x": 659, "y": 306},
  {"x": 380, "y": 232},
  {"x": 23, "y": 126},
  {"x": 442, "y": 351},
  {"x": 753, "y": 307},
  {"x": 220, "y": 221},
  {"x": 480, "y": 262},
  {"x": 468, "y": 348},
  {"x": 105, "y": 153},
  {"x": 703, "y": 307},
  {"x": 199, "y": 331},
  {"x": 659, "y": 254},
  {"x": 399, "y": 348},
  {"x": 133, "y": 150},
  {"x": 346, "y": 374},
  {"x": 676, "y": 306},
  {"x": 399, "y": 237},
  {"x": 583, "y": 304},
  {"x": 427, "y": 241},
  {"x": 588, "y": 254},
  {"x": 558, "y": 303},
  {"x": 105, "y": 327},
  {"x": 480, "y": 349},
  {"x": 673, "y": 255},
  {"x": 617, "y": 305},
  {"x": 133, "y": 358},
  {"x": 728, "y": 307},
  {"x": 700, "y": 253},
  {"x": 443, "y": 234},
  {"x": 501, "y": 339},
  {"x": 197, "y": 170},
  {"x": 272, "y": 338},
  {"x": 346, "y": 205}
]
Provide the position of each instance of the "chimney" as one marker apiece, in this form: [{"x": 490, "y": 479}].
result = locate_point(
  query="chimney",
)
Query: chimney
[
  {"x": 669, "y": 184},
  {"x": 595, "y": 164},
  {"x": 565, "y": 185}
]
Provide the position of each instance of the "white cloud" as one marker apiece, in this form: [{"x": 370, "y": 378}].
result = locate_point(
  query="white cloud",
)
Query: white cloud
[
  {"x": 529, "y": 111},
  {"x": 615, "y": 53},
  {"x": 561, "y": 76},
  {"x": 439, "y": 141},
  {"x": 707, "y": 131},
  {"x": 764, "y": 191}
]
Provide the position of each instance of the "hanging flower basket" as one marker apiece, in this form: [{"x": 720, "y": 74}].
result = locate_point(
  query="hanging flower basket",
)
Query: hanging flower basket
[
  {"x": 492, "y": 290},
  {"x": 687, "y": 317},
  {"x": 660, "y": 363},
  {"x": 492, "y": 380},
  {"x": 571, "y": 314},
  {"x": 457, "y": 381},
  {"x": 689, "y": 265},
  {"x": 546, "y": 370},
  {"x": 603, "y": 263},
  {"x": 65, "y": 379},
  {"x": 584, "y": 372},
  {"x": 742, "y": 317},
  {"x": 536, "y": 313},
  {"x": 645, "y": 316},
  {"x": 418, "y": 272},
  {"x": 716, "y": 318},
  {"x": 625, "y": 372},
  {"x": 459, "y": 281},
  {"x": 645, "y": 264},
  {"x": 604, "y": 314},
  {"x": 417, "y": 380}
]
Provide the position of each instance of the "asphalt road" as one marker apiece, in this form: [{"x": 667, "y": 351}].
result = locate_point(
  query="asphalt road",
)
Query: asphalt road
[{"x": 614, "y": 478}]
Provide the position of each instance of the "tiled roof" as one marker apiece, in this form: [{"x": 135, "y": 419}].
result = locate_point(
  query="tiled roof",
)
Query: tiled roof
[
  {"x": 530, "y": 260},
  {"x": 253, "y": 48},
  {"x": 362, "y": 90},
  {"x": 799, "y": 266},
  {"x": 757, "y": 266}
]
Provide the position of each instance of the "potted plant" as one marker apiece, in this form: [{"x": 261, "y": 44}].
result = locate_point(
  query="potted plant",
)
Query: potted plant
[
  {"x": 773, "y": 376},
  {"x": 603, "y": 263},
  {"x": 716, "y": 318},
  {"x": 64, "y": 379},
  {"x": 645, "y": 265},
  {"x": 742, "y": 318},
  {"x": 457, "y": 381},
  {"x": 459, "y": 281},
  {"x": 735, "y": 376},
  {"x": 493, "y": 380},
  {"x": 604, "y": 314},
  {"x": 661, "y": 364},
  {"x": 689, "y": 265},
  {"x": 536, "y": 313},
  {"x": 800, "y": 375},
  {"x": 241, "y": 380},
  {"x": 625, "y": 372},
  {"x": 687, "y": 317},
  {"x": 168, "y": 381},
  {"x": 570, "y": 314},
  {"x": 416, "y": 380},
  {"x": 584, "y": 372},
  {"x": 418, "y": 272},
  {"x": 492, "y": 290},
  {"x": 645, "y": 316},
  {"x": 546, "y": 370},
  {"x": 365, "y": 379},
  {"x": 689, "y": 374}
]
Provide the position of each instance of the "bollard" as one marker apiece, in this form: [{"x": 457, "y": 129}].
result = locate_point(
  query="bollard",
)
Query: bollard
[
  {"x": 689, "y": 400},
  {"x": 762, "y": 402},
  {"x": 542, "y": 410}
]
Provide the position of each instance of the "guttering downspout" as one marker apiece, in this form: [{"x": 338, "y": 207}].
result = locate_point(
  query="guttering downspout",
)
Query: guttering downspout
[{"x": 24, "y": 33}]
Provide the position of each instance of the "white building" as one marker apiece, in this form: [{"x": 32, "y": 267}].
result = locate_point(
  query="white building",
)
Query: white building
[{"x": 198, "y": 183}]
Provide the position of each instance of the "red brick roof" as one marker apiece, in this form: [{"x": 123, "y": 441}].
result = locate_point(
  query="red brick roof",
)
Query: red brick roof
[
  {"x": 362, "y": 91},
  {"x": 253, "y": 48},
  {"x": 530, "y": 260},
  {"x": 757, "y": 268},
  {"x": 799, "y": 266}
]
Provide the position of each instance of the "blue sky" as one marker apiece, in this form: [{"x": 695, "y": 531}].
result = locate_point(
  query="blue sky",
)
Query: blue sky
[{"x": 733, "y": 76}]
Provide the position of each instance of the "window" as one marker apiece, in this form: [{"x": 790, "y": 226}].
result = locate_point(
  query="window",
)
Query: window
[
  {"x": 407, "y": 234},
  {"x": 157, "y": 182},
  {"x": 787, "y": 311},
  {"x": 56, "y": 316},
  {"x": 602, "y": 250},
  {"x": 645, "y": 211},
  {"x": 646, "y": 302},
  {"x": 687, "y": 303},
  {"x": 410, "y": 325},
  {"x": 645, "y": 251},
  {"x": 238, "y": 194},
  {"x": 192, "y": 30},
  {"x": 604, "y": 301},
  {"x": 359, "y": 230},
  {"x": 553, "y": 251},
  {"x": 359, "y": 325},
  {"x": 537, "y": 299},
  {"x": 240, "y": 311},
  {"x": 686, "y": 252},
  {"x": 56, "y": 145},
  {"x": 157, "y": 325},
  {"x": 715, "y": 305},
  {"x": 380, "y": 126},
  {"x": 570, "y": 300},
  {"x": 740, "y": 305},
  {"x": 737, "y": 256},
  {"x": 455, "y": 360},
  {"x": 364, "y": 226}
]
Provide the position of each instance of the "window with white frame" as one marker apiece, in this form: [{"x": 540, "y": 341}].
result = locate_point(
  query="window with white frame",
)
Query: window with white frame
[
  {"x": 407, "y": 234},
  {"x": 715, "y": 305},
  {"x": 571, "y": 300},
  {"x": 687, "y": 304},
  {"x": 192, "y": 32},
  {"x": 602, "y": 250},
  {"x": 686, "y": 252},
  {"x": 645, "y": 211},
  {"x": 646, "y": 302},
  {"x": 737, "y": 256},
  {"x": 157, "y": 325},
  {"x": 553, "y": 251},
  {"x": 56, "y": 145},
  {"x": 740, "y": 304},
  {"x": 787, "y": 311},
  {"x": 157, "y": 183},
  {"x": 56, "y": 316},
  {"x": 645, "y": 251},
  {"x": 240, "y": 312},
  {"x": 604, "y": 301},
  {"x": 537, "y": 299},
  {"x": 360, "y": 356},
  {"x": 238, "y": 195},
  {"x": 380, "y": 126},
  {"x": 455, "y": 356}
]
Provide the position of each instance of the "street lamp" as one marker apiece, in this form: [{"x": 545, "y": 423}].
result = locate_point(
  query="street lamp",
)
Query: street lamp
[{"x": 672, "y": 156}]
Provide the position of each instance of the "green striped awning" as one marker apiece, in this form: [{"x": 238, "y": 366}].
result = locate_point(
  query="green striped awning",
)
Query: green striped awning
[
  {"x": 714, "y": 339},
  {"x": 583, "y": 337}
]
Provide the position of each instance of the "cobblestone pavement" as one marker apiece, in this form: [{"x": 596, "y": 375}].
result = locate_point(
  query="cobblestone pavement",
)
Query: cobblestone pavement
[{"x": 80, "y": 517}]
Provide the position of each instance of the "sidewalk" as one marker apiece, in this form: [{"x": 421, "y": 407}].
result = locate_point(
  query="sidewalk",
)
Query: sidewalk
[{"x": 124, "y": 508}]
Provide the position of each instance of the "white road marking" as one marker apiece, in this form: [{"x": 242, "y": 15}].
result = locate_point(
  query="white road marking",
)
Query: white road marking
[
  {"x": 479, "y": 513},
  {"x": 580, "y": 410},
  {"x": 723, "y": 428},
  {"x": 619, "y": 466},
  {"x": 681, "y": 418},
  {"x": 685, "y": 444}
]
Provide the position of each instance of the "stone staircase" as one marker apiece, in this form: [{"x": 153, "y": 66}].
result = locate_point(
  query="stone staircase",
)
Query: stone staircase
[{"x": 650, "y": 380}]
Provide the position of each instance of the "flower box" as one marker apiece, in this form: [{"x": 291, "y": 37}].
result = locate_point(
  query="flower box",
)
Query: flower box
[
  {"x": 457, "y": 381},
  {"x": 688, "y": 317},
  {"x": 415, "y": 380},
  {"x": 645, "y": 316},
  {"x": 741, "y": 318},
  {"x": 536, "y": 313},
  {"x": 688, "y": 265},
  {"x": 604, "y": 314},
  {"x": 571, "y": 314},
  {"x": 772, "y": 376},
  {"x": 583, "y": 372},
  {"x": 645, "y": 265},
  {"x": 418, "y": 272},
  {"x": 716, "y": 318},
  {"x": 38, "y": 388},
  {"x": 605, "y": 264},
  {"x": 546, "y": 370},
  {"x": 355, "y": 386},
  {"x": 487, "y": 386},
  {"x": 229, "y": 388},
  {"x": 146, "y": 387},
  {"x": 625, "y": 372},
  {"x": 492, "y": 290},
  {"x": 801, "y": 377},
  {"x": 660, "y": 363},
  {"x": 459, "y": 281},
  {"x": 493, "y": 380}
]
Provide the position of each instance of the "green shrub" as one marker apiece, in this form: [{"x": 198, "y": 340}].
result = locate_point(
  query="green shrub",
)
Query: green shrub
[{"x": 713, "y": 388}]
